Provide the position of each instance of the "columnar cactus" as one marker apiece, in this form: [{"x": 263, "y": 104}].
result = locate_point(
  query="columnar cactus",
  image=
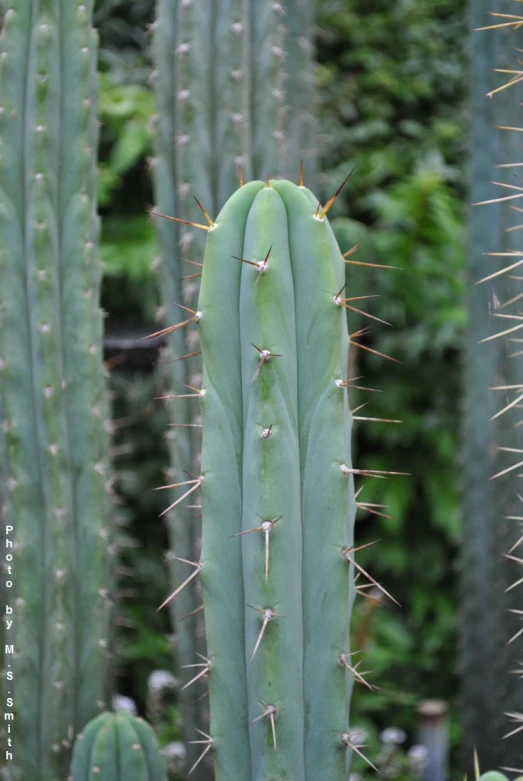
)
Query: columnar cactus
[
  {"x": 54, "y": 446},
  {"x": 234, "y": 90},
  {"x": 117, "y": 747},
  {"x": 493, "y": 380},
  {"x": 276, "y": 487}
]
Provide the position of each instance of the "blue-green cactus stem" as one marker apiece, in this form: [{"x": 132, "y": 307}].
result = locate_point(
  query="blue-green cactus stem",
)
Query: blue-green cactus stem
[
  {"x": 55, "y": 450},
  {"x": 183, "y": 443},
  {"x": 271, "y": 490},
  {"x": 277, "y": 489},
  {"x": 232, "y": 74},
  {"x": 328, "y": 507},
  {"x": 220, "y": 82},
  {"x": 268, "y": 87},
  {"x": 222, "y": 575},
  {"x": 300, "y": 79}
]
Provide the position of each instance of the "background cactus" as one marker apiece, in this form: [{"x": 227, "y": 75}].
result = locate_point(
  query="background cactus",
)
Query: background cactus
[
  {"x": 491, "y": 505},
  {"x": 117, "y": 747},
  {"x": 277, "y": 487},
  {"x": 234, "y": 88},
  {"x": 54, "y": 443}
]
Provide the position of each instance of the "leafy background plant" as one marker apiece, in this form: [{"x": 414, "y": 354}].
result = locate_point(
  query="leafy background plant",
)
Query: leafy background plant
[{"x": 392, "y": 81}]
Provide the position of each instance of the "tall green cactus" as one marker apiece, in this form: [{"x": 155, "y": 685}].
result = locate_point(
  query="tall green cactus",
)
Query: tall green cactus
[
  {"x": 490, "y": 505},
  {"x": 277, "y": 488},
  {"x": 117, "y": 747},
  {"x": 54, "y": 445},
  {"x": 234, "y": 89}
]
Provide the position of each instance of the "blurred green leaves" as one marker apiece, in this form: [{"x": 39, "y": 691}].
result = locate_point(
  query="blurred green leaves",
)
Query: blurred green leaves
[{"x": 125, "y": 112}]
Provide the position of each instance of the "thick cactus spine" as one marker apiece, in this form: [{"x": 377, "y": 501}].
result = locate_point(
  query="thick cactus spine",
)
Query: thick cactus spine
[
  {"x": 55, "y": 448},
  {"x": 117, "y": 747},
  {"x": 277, "y": 488}
]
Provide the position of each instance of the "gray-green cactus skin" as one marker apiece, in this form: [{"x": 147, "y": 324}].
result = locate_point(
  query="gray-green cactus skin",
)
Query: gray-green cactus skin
[
  {"x": 276, "y": 487},
  {"x": 117, "y": 747},
  {"x": 54, "y": 444},
  {"x": 491, "y": 505},
  {"x": 234, "y": 88}
]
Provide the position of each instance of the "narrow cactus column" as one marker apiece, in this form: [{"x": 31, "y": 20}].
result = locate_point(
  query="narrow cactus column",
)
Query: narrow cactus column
[
  {"x": 172, "y": 52},
  {"x": 491, "y": 505},
  {"x": 268, "y": 87},
  {"x": 299, "y": 86},
  {"x": 54, "y": 451},
  {"x": 277, "y": 488}
]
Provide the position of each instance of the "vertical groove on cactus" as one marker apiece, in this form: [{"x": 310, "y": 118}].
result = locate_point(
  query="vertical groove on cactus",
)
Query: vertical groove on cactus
[{"x": 54, "y": 453}]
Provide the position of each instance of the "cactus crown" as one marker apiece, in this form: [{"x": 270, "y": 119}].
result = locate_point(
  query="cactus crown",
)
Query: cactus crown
[{"x": 119, "y": 747}]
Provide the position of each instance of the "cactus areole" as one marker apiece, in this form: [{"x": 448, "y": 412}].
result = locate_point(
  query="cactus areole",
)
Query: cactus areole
[{"x": 277, "y": 489}]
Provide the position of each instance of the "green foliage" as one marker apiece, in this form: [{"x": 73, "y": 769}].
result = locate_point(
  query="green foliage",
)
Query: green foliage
[
  {"x": 385, "y": 112},
  {"x": 117, "y": 747},
  {"x": 54, "y": 447},
  {"x": 127, "y": 249},
  {"x": 125, "y": 111}
]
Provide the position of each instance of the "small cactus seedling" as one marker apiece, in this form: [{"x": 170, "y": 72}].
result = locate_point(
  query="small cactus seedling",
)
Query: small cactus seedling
[
  {"x": 277, "y": 491},
  {"x": 117, "y": 747}
]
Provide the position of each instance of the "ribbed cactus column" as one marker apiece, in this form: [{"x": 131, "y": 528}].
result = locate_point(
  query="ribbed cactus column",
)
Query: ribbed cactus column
[
  {"x": 277, "y": 488},
  {"x": 54, "y": 457},
  {"x": 229, "y": 96},
  {"x": 492, "y": 379},
  {"x": 171, "y": 54}
]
